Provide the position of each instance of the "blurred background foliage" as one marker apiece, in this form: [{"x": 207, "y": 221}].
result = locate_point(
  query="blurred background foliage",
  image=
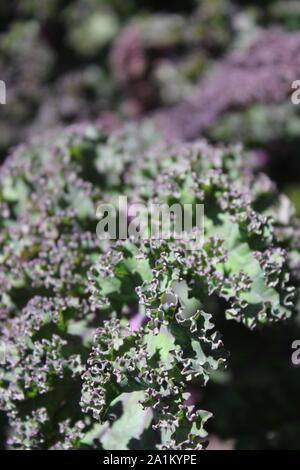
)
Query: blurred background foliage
[{"x": 67, "y": 61}]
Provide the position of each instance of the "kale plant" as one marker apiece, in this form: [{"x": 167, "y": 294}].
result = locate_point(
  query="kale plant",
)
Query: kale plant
[
  {"x": 260, "y": 74},
  {"x": 106, "y": 344},
  {"x": 253, "y": 105}
]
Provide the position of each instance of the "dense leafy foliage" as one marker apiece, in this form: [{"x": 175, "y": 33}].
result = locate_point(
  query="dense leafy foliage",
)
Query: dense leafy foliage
[
  {"x": 92, "y": 332},
  {"x": 149, "y": 344}
]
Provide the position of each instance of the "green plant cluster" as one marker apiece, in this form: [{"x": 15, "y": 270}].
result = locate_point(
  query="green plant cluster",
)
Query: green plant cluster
[{"x": 95, "y": 332}]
